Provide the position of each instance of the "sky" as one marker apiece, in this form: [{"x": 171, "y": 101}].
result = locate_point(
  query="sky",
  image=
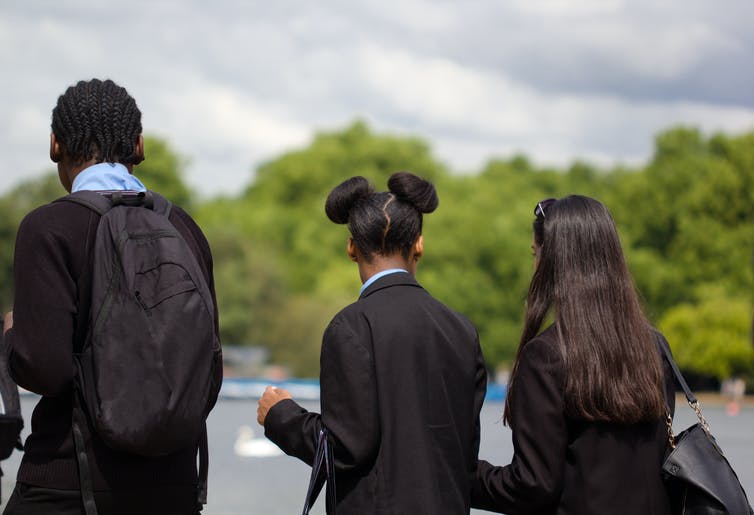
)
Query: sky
[{"x": 234, "y": 83}]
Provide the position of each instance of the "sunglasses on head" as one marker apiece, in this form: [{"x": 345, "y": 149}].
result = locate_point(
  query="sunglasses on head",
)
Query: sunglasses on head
[{"x": 542, "y": 206}]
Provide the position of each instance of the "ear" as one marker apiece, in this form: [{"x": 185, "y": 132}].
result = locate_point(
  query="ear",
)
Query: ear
[
  {"x": 56, "y": 153},
  {"x": 418, "y": 247},
  {"x": 353, "y": 252},
  {"x": 139, "y": 150}
]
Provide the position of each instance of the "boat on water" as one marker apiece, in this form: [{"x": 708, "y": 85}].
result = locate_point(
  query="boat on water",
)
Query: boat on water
[{"x": 248, "y": 445}]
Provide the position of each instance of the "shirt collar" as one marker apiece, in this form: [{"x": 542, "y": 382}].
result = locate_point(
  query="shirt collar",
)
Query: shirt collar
[
  {"x": 106, "y": 177},
  {"x": 378, "y": 275}
]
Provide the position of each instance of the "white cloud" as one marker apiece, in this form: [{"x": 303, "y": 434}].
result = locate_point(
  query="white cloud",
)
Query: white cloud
[
  {"x": 233, "y": 83},
  {"x": 571, "y": 8},
  {"x": 223, "y": 130}
]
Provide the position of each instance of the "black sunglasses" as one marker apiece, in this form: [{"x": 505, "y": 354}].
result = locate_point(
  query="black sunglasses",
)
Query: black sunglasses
[{"x": 542, "y": 206}]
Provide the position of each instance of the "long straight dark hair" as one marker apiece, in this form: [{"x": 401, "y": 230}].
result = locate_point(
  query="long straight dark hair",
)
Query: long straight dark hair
[{"x": 613, "y": 371}]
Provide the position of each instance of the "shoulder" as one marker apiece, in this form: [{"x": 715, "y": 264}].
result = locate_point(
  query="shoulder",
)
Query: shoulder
[
  {"x": 57, "y": 219},
  {"x": 347, "y": 333},
  {"x": 347, "y": 319},
  {"x": 660, "y": 339},
  {"x": 189, "y": 229},
  {"x": 462, "y": 319},
  {"x": 542, "y": 350},
  {"x": 52, "y": 211},
  {"x": 179, "y": 216}
]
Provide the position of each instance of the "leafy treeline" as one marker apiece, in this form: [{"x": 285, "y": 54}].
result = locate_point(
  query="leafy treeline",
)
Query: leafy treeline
[{"x": 686, "y": 219}]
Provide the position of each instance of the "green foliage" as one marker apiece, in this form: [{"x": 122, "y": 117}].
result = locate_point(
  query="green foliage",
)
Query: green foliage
[
  {"x": 686, "y": 220},
  {"x": 162, "y": 170},
  {"x": 284, "y": 205},
  {"x": 14, "y": 205},
  {"x": 712, "y": 336}
]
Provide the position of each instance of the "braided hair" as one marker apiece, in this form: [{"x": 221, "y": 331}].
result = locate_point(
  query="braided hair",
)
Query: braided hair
[
  {"x": 387, "y": 222},
  {"x": 97, "y": 120}
]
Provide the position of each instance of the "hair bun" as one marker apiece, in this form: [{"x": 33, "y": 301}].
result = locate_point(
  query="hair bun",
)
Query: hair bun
[
  {"x": 413, "y": 189},
  {"x": 343, "y": 197}
]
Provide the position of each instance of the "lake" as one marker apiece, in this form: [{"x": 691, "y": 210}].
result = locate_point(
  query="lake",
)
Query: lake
[{"x": 276, "y": 485}]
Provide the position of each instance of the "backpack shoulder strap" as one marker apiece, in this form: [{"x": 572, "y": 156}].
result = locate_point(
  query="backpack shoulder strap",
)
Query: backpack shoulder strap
[
  {"x": 102, "y": 202},
  {"x": 160, "y": 204},
  {"x": 91, "y": 199}
]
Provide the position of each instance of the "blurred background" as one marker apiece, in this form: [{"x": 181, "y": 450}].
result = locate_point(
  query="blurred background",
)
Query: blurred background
[{"x": 253, "y": 111}]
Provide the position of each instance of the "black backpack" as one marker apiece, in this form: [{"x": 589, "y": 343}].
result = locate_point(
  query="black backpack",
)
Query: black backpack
[
  {"x": 146, "y": 375},
  {"x": 11, "y": 421}
]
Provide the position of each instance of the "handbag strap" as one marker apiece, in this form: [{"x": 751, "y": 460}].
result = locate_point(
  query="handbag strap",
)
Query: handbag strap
[
  {"x": 690, "y": 397},
  {"x": 323, "y": 472}
]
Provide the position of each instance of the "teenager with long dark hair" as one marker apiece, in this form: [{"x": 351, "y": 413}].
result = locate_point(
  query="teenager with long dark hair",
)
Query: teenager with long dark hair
[
  {"x": 402, "y": 376},
  {"x": 586, "y": 397}
]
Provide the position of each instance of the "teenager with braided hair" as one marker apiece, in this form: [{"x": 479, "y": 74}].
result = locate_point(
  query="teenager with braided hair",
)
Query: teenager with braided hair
[
  {"x": 402, "y": 376},
  {"x": 96, "y": 141}
]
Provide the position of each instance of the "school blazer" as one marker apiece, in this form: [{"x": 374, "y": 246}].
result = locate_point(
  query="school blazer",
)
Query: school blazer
[
  {"x": 563, "y": 466},
  {"x": 402, "y": 382}
]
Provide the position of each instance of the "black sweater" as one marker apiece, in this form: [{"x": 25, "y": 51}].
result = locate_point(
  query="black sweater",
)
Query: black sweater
[{"x": 52, "y": 270}]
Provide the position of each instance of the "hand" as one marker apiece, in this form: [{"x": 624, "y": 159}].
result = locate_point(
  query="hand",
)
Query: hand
[
  {"x": 7, "y": 321},
  {"x": 272, "y": 395}
]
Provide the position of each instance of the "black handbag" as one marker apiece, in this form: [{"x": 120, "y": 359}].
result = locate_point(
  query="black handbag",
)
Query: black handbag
[
  {"x": 323, "y": 472},
  {"x": 698, "y": 478}
]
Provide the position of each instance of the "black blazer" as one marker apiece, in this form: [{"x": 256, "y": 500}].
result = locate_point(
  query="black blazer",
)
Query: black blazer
[
  {"x": 402, "y": 383},
  {"x": 564, "y": 466}
]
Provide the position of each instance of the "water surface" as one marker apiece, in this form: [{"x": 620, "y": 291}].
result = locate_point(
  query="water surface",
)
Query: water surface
[{"x": 277, "y": 485}]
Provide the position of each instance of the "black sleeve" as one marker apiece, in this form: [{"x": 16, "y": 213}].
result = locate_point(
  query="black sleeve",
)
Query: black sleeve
[
  {"x": 44, "y": 310},
  {"x": 293, "y": 429},
  {"x": 349, "y": 404},
  {"x": 533, "y": 480}
]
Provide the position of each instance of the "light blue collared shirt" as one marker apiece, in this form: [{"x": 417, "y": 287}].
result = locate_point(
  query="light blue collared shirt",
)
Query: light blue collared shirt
[
  {"x": 378, "y": 275},
  {"x": 106, "y": 177}
]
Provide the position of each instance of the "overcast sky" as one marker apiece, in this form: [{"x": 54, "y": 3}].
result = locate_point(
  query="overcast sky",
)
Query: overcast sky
[{"x": 233, "y": 83}]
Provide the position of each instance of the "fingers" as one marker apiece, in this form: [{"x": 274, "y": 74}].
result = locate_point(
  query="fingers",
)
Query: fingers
[{"x": 271, "y": 396}]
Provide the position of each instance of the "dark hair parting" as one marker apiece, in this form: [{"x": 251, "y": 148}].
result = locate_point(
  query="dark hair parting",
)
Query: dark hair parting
[{"x": 383, "y": 222}]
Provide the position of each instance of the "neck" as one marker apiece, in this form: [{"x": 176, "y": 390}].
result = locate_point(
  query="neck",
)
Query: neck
[{"x": 380, "y": 263}]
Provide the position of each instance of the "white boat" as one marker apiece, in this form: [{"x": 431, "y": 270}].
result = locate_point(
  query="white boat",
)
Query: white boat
[{"x": 248, "y": 446}]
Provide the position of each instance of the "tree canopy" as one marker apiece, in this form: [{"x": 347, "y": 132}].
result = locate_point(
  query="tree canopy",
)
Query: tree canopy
[{"x": 686, "y": 219}]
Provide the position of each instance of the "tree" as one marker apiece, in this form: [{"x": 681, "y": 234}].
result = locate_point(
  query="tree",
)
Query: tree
[
  {"x": 162, "y": 171},
  {"x": 14, "y": 206},
  {"x": 711, "y": 336}
]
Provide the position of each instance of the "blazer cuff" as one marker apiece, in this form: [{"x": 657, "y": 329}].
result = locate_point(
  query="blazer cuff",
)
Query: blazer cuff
[{"x": 279, "y": 419}]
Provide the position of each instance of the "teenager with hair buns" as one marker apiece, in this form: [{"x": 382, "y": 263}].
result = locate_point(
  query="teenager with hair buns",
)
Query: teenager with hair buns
[
  {"x": 586, "y": 397},
  {"x": 402, "y": 376}
]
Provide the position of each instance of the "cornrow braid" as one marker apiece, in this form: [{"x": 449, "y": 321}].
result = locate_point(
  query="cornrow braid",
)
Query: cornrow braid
[{"x": 97, "y": 120}]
